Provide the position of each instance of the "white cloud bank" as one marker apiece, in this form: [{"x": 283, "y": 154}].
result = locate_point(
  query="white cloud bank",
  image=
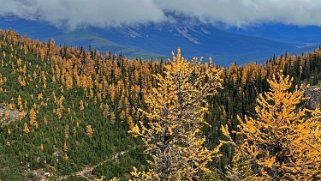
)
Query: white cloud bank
[{"x": 113, "y": 13}]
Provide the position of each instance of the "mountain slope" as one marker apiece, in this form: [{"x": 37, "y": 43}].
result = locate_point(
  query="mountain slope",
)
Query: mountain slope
[
  {"x": 226, "y": 45},
  {"x": 281, "y": 32},
  {"x": 198, "y": 41},
  {"x": 75, "y": 107},
  {"x": 82, "y": 37},
  {"x": 60, "y": 128}
]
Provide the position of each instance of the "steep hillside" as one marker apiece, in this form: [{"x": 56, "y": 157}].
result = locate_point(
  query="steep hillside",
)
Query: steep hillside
[{"x": 63, "y": 124}]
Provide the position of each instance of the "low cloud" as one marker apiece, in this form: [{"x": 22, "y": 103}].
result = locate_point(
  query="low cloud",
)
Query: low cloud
[
  {"x": 114, "y": 13},
  {"x": 76, "y": 13},
  {"x": 246, "y": 12}
]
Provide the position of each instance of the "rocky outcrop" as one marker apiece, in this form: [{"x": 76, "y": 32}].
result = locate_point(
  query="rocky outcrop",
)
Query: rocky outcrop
[
  {"x": 8, "y": 115},
  {"x": 314, "y": 97}
]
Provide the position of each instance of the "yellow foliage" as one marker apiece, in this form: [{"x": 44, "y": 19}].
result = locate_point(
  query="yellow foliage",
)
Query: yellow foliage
[
  {"x": 11, "y": 106},
  {"x": 21, "y": 81},
  {"x": 69, "y": 81},
  {"x": 130, "y": 122},
  {"x": 20, "y": 103},
  {"x": 89, "y": 130},
  {"x": 112, "y": 117},
  {"x": 33, "y": 117},
  {"x": 113, "y": 179},
  {"x": 22, "y": 115},
  {"x": 81, "y": 105},
  {"x": 66, "y": 157},
  {"x": 40, "y": 96},
  {"x": 26, "y": 128},
  {"x": 42, "y": 147},
  {"x": 173, "y": 138},
  {"x": 65, "y": 147},
  {"x": 284, "y": 139}
]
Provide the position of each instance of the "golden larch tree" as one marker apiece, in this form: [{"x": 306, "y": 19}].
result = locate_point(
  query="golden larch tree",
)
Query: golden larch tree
[
  {"x": 69, "y": 81},
  {"x": 112, "y": 117},
  {"x": 42, "y": 148},
  {"x": 81, "y": 105},
  {"x": 283, "y": 140},
  {"x": 176, "y": 108},
  {"x": 26, "y": 128},
  {"x": 19, "y": 100},
  {"x": 89, "y": 131},
  {"x": 66, "y": 151},
  {"x": 33, "y": 117}
]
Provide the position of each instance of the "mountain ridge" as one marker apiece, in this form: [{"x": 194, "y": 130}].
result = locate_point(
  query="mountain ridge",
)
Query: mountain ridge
[{"x": 154, "y": 41}]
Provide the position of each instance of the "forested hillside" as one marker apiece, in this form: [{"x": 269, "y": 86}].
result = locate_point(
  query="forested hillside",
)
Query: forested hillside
[{"x": 66, "y": 110}]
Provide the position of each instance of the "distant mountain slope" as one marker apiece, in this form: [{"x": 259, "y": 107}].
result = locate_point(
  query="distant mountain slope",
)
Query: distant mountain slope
[
  {"x": 225, "y": 45},
  {"x": 285, "y": 33},
  {"x": 43, "y": 31},
  {"x": 86, "y": 37}
]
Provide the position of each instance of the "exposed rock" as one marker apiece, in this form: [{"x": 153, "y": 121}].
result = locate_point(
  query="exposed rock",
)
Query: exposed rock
[
  {"x": 8, "y": 115},
  {"x": 314, "y": 95},
  {"x": 41, "y": 174}
]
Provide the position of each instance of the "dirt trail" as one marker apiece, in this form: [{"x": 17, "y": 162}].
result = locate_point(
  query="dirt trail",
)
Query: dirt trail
[{"x": 88, "y": 169}]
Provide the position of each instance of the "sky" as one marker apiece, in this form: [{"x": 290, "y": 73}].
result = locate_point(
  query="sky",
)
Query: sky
[{"x": 116, "y": 13}]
